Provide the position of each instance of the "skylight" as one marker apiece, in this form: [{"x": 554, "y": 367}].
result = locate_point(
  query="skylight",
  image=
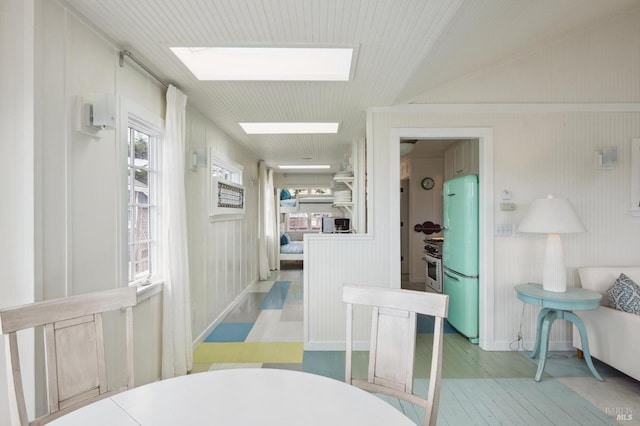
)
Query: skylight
[
  {"x": 288, "y": 128},
  {"x": 267, "y": 63},
  {"x": 304, "y": 166}
]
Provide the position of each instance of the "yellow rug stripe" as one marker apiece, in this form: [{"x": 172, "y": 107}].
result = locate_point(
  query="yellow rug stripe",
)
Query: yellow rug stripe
[{"x": 249, "y": 352}]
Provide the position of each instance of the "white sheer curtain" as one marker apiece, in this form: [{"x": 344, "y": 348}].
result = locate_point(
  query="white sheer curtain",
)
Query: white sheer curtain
[
  {"x": 177, "y": 345},
  {"x": 268, "y": 242}
]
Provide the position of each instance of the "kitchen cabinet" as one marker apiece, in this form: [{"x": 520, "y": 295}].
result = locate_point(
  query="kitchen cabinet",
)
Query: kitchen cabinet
[{"x": 462, "y": 159}]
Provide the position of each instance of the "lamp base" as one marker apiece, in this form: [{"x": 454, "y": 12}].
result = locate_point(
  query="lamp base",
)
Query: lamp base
[{"x": 554, "y": 277}]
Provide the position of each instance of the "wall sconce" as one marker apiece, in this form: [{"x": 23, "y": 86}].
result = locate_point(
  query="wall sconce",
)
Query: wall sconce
[
  {"x": 552, "y": 216},
  {"x": 197, "y": 159},
  {"x": 96, "y": 113}
]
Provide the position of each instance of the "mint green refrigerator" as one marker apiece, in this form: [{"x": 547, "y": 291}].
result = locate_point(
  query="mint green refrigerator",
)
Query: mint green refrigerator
[{"x": 460, "y": 254}]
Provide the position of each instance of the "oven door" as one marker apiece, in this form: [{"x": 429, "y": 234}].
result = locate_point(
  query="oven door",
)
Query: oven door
[{"x": 433, "y": 272}]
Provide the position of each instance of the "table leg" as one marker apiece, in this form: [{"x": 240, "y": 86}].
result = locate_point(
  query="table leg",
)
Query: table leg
[
  {"x": 548, "y": 319},
  {"x": 536, "y": 347},
  {"x": 585, "y": 342}
]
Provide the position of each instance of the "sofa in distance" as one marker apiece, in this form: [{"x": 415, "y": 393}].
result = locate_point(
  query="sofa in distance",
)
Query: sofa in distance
[{"x": 611, "y": 332}]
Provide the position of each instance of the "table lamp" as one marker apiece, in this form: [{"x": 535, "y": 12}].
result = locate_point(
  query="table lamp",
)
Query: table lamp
[{"x": 552, "y": 216}]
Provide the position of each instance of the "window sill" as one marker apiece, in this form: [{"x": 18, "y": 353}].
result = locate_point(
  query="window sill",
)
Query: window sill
[{"x": 147, "y": 291}]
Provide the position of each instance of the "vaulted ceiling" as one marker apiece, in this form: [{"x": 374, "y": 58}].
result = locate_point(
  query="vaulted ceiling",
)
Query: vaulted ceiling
[{"x": 403, "y": 49}]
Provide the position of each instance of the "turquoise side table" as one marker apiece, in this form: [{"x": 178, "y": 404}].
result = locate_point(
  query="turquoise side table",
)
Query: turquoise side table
[{"x": 558, "y": 306}]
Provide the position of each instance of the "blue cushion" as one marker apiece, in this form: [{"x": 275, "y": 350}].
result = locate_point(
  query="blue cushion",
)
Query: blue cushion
[
  {"x": 285, "y": 194},
  {"x": 624, "y": 295},
  {"x": 285, "y": 239}
]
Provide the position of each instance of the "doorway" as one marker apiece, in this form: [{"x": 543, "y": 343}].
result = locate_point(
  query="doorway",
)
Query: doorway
[{"x": 486, "y": 239}]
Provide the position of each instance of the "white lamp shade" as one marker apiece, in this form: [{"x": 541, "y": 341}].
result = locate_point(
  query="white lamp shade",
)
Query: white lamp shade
[{"x": 551, "y": 216}]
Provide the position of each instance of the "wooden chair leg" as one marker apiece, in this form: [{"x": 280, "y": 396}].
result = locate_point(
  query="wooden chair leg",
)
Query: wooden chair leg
[{"x": 580, "y": 353}]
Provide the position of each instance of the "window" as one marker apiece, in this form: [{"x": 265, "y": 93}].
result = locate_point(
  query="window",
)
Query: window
[
  {"x": 307, "y": 222},
  {"x": 141, "y": 205},
  {"x": 225, "y": 170},
  {"x": 227, "y": 192},
  {"x": 308, "y": 191},
  {"x": 304, "y": 222},
  {"x": 222, "y": 172},
  {"x": 139, "y": 152}
]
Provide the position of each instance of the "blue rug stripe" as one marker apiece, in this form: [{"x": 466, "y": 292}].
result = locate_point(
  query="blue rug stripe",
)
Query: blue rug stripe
[
  {"x": 230, "y": 332},
  {"x": 276, "y": 296}
]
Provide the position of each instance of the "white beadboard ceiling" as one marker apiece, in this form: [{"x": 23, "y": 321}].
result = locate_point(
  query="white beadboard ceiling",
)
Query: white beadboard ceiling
[{"x": 403, "y": 49}]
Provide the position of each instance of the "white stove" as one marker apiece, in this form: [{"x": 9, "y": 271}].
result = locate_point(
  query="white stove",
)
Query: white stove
[{"x": 433, "y": 260}]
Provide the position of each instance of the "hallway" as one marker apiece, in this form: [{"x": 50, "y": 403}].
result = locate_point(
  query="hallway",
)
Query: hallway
[{"x": 264, "y": 330}]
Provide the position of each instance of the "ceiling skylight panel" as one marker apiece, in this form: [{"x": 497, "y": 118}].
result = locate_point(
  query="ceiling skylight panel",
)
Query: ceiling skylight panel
[
  {"x": 304, "y": 166},
  {"x": 267, "y": 64},
  {"x": 272, "y": 128}
]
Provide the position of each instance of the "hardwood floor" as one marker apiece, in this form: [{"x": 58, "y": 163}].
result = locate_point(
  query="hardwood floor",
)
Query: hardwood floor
[{"x": 478, "y": 387}]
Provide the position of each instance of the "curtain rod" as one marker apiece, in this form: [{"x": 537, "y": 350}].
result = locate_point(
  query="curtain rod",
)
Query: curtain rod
[{"x": 124, "y": 53}]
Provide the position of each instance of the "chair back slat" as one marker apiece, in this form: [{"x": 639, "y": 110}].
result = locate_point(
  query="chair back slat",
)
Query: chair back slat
[
  {"x": 393, "y": 342},
  {"x": 50, "y": 311},
  {"x": 74, "y": 350}
]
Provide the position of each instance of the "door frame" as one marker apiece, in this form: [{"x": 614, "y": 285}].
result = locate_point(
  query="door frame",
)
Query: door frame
[
  {"x": 404, "y": 228},
  {"x": 486, "y": 209}
]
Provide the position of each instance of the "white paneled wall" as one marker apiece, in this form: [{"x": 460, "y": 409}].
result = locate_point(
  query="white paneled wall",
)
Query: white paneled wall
[
  {"x": 535, "y": 153},
  {"x": 330, "y": 261},
  {"x": 538, "y": 153},
  {"x": 65, "y": 185},
  {"x": 17, "y": 186},
  {"x": 223, "y": 253},
  {"x": 78, "y": 177}
]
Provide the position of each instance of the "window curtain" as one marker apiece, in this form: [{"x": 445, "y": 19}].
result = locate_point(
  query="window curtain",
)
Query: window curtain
[
  {"x": 268, "y": 238},
  {"x": 177, "y": 345}
]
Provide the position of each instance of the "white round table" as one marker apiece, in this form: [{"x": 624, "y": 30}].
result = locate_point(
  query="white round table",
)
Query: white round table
[{"x": 240, "y": 397}]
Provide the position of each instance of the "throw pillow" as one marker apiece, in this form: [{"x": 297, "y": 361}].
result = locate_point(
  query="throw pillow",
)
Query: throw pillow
[
  {"x": 285, "y": 239},
  {"x": 624, "y": 295},
  {"x": 285, "y": 194}
]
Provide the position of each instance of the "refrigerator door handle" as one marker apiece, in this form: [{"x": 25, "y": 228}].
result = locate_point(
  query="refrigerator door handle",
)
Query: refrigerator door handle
[
  {"x": 448, "y": 272},
  {"x": 453, "y": 277}
]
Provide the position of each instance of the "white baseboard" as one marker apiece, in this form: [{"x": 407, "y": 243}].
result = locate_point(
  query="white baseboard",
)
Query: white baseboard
[
  {"x": 528, "y": 346},
  {"x": 198, "y": 340}
]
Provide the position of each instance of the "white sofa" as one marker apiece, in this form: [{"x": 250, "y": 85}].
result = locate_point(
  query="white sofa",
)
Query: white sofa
[{"x": 611, "y": 333}]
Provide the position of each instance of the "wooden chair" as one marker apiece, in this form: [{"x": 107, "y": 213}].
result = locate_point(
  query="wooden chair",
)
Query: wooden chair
[
  {"x": 393, "y": 341},
  {"x": 73, "y": 350}
]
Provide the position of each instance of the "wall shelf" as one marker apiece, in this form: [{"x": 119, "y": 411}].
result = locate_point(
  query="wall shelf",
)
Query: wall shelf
[
  {"x": 345, "y": 206},
  {"x": 347, "y": 180}
]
